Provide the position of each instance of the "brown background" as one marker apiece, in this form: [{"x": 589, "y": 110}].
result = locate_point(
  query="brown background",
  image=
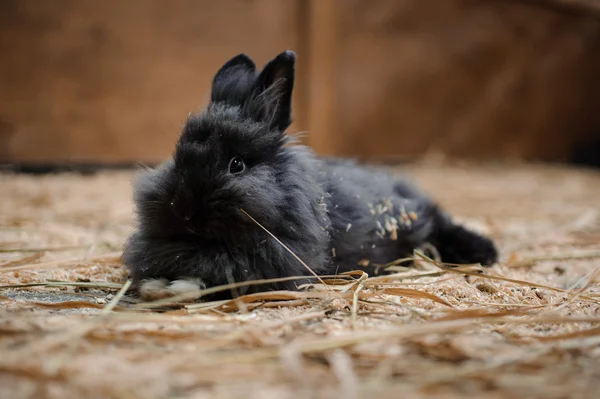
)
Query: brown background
[{"x": 112, "y": 81}]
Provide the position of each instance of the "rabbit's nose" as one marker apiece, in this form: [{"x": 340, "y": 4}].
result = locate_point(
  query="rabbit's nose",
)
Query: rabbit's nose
[
  {"x": 175, "y": 206},
  {"x": 177, "y": 210},
  {"x": 182, "y": 211}
]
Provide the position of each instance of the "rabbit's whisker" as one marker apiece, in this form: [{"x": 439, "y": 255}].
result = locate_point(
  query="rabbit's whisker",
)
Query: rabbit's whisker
[{"x": 287, "y": 249}]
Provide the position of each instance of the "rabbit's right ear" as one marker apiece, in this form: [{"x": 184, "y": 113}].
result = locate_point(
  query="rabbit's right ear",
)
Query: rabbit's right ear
[{"x": 234, "y": 80}]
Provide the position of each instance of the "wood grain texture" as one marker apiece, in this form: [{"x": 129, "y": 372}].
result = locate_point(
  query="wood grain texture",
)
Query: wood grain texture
[
  {"x": 112, "y": 81},
  {"x": 322, "y": 80},
  {"x": 499, "y": 79}
]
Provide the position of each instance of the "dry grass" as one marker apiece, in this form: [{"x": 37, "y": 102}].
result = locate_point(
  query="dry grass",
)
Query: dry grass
[{"x": 529, "y": 327}]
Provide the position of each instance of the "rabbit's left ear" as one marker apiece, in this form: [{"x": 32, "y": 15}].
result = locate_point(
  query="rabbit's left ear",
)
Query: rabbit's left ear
[
  {"x": 273, "y": 91},
  {"x": 233, "y": 81}
]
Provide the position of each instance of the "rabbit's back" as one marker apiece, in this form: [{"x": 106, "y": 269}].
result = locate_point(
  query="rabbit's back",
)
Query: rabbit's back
[{"x": 374, "y": 215}]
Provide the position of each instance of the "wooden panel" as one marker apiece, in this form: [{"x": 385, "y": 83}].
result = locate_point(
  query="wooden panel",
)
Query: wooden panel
[
  {"x": 112, "y": 80},
  {"x": 322, "y": 38},
  {"x": 505, "y": 79}
]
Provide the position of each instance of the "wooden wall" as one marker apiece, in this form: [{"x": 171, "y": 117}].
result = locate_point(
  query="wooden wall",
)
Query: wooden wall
[
  {"x": 491, "y": 78},
  {"x": 112, "y": 80}
]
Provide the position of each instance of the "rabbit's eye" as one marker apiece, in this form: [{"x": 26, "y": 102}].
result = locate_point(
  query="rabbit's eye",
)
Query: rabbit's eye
[{"x": 236, "y": 165}]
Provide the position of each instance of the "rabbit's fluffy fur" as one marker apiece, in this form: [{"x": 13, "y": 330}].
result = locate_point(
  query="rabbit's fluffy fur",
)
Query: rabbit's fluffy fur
[{"x": 334, "y": 214}]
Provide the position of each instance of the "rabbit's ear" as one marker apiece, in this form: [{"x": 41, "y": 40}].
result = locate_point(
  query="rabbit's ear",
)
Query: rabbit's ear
[
  {"x": 273, "y": 91},
  {"x": 233, "y": 81}
]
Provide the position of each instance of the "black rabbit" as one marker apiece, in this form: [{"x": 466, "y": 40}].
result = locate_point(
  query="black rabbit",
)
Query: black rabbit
[{"x": 333, "y": 214}]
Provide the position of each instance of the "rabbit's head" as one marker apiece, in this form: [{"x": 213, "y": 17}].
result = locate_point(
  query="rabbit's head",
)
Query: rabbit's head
[{"x": 232, "y": 156}]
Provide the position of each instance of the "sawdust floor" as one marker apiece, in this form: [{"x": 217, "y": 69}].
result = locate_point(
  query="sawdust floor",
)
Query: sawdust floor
[{"x": 528, "y": 327}]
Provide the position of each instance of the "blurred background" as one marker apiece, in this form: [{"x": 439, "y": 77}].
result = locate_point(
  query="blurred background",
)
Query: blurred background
[{"x": 110, "y": 82}]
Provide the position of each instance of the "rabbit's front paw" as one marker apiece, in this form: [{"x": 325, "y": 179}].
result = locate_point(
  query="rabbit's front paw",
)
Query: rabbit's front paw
[{"x": 154, "y": 289}]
